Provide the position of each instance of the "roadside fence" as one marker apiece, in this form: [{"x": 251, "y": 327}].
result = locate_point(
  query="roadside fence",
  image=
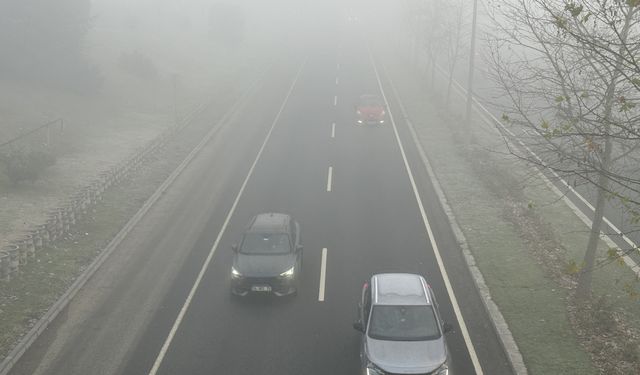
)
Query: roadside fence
[{"x": 79, "y": 208}]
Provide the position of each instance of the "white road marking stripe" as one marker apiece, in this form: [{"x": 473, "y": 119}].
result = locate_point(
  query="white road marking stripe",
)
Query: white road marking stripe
[
  {"x": 329, "y": 178},
  {"x": 194, "y": 288},
  {"x": 434, "y": 245},
  {"x": 335, "y": 100},
  {"x": 338, "y": 66},
  {"x": 323, "y": 275},
  {"x": 337, "y": 80},
  {"x": 333, "y": 130}
]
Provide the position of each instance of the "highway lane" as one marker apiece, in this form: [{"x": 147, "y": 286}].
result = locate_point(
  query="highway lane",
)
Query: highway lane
[
  {"x": 100, "y": 329},
  {"x": 365, "y": 216}
]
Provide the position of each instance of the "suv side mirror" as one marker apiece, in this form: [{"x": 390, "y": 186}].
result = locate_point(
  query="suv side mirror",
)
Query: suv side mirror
[
  {"x": 446, "y": 327},
  {"x": 234, "y": 247},
  {"x": 358, "y": 326}
]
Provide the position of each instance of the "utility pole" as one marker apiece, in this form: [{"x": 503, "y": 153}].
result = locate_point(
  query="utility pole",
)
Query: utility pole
[
  {"x": 174, "y": 79},
  {"x": 472, "y": 57}
]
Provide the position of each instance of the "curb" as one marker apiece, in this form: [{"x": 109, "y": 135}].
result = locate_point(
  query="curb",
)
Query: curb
[
  {"x": 497, "y": 319},
  {"x": 27, "y": 340}
]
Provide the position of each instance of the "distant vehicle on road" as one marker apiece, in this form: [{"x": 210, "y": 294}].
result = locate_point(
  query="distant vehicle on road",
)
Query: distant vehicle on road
[
  {"x": 370, "y": 109},
  {"x": 401, "y": 326},
  {"x": 269, "y": 257}
]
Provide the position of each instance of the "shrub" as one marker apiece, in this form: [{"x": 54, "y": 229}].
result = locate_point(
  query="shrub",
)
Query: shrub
[
  {"x": 138, "y": 65},
  {"x": 26, "y": 165}
]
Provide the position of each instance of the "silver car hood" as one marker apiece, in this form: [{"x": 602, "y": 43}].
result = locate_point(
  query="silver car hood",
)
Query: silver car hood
[{"x": 407, "y": 357}]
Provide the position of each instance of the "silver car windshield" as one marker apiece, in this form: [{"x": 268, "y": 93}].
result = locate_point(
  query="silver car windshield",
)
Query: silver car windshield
[
  {"x": 265, "y": 243},
  {"x": 403, "y": 323}
]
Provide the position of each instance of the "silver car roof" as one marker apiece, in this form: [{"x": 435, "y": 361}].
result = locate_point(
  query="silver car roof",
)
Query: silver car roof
[{"x": 399, "y": 289}]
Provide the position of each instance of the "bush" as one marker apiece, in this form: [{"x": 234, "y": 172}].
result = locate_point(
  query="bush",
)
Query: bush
[
  {"x": 26, "y": 165},
  {"x": 138, "y": 65}
]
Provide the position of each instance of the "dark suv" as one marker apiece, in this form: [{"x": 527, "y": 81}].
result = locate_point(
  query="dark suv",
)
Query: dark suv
[{"x": 269, "y": 257}]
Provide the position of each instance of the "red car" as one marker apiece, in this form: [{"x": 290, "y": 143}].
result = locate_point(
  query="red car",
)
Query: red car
[{"x": 370, "y": 109}]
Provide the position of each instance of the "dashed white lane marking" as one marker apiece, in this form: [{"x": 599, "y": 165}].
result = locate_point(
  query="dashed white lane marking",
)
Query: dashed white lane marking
[
  {"x": 329, "y": 178},
  {"x": 333, "y": 130},
  {"x": 323, "y": 275},
  {"x": 335, "y": 100},
  {"x": 337, "y": 81},
  {"x": 338, "y": 66},
  {"x": 425, "y": 219},
  {"x": 205, "y": 266}
]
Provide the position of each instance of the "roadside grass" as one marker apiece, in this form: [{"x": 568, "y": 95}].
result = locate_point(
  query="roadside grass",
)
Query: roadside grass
[
  {"x": 25, "y": 298},
  {"x": 533, "y": 303}
]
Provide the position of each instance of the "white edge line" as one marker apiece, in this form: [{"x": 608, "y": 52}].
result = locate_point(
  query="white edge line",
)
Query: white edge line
[
  {"x": 205, "y": 266},
  {"x": 323, "y": 275},
  {"x": 588, "y": 222},
  {"x": 434, "y": 245},
  {"x": 329, "y": 178},
  {"x": 500, "y": 324}
]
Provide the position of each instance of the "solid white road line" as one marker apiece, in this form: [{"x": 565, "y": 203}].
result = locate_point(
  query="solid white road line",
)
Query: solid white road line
[
  {"x": 329, "y": 178},
  {"x": 335, "y": 100},
  {"x": 323, "y": 274},
  {"x": 333, "y": 130},
  {"x": 194, "y": 288},
  {"x": 434, "y": 245}
]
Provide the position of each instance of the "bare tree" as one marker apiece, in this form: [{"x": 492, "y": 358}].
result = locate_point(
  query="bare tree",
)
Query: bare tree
[
  {"x": 570, "y": 73},
  {"x": 454, "y": 25}
]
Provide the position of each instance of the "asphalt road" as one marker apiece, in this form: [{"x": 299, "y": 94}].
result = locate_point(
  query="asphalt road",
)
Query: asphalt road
[{"x": 294, "y": 148}]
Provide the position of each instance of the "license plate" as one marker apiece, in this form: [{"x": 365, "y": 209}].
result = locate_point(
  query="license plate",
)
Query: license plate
[{"x": 260, "y": 288}]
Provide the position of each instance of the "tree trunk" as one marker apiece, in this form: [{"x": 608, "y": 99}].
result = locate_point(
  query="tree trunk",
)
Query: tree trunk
[{"x": 583, "y": 291}]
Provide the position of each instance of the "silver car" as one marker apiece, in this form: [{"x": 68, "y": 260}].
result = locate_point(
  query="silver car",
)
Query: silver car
[{"x": 401, "y": 326}]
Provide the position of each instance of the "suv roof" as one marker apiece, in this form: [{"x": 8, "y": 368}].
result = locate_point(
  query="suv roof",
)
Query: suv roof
[
  {"x": 269, "y": 223},
  {"x": 399, "y": 289}
]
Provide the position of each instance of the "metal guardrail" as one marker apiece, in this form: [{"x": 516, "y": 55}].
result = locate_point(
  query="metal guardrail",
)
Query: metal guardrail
[{"x": 46, "y": 126}]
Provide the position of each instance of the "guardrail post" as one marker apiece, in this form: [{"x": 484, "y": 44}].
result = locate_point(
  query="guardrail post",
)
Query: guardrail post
[
  {"x": 14, "y": 257},
  {"x": 52, "y": 229},
  {"x": 4, "y": 266},
  {"x": 71, "y": 214},
  {"x": 36, "y": 237},
  {"x": 64, "y": 221},
  {"x": 23, "y": 247},
  {"x": 44, "y": 234}
]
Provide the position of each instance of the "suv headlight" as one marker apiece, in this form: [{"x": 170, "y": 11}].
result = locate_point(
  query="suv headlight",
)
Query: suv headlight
[
  {"x": 288, "y": 273},
  {"x": 235, "y": 274},
  {"x": 442, "y": 370},
  {"x": 373, "y": 370}
]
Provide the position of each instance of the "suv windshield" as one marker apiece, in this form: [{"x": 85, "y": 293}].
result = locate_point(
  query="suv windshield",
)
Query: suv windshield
[
  {"x": 265, "y": 243},
  {"x": 403, "y": 323}
]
